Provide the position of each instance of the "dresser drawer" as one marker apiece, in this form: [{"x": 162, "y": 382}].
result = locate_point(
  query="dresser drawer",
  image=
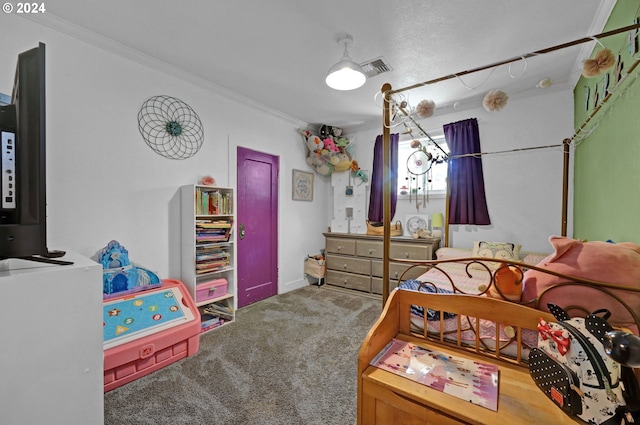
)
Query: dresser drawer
[
  {"x": 348, "y": 280},
  {"x": 355, "y": 261},
  {"x": 340, "y": 246},
  {"x": 396, "y": 269},
  {"x": 376, "y": 285},
  {"x": 409, "y": 251},
  {"x": 349, "y": 264},
  {"x": 371, "y": 249}
]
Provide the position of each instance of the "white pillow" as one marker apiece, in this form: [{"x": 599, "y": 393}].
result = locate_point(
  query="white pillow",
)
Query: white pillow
[{"x": 497, "y": 250}]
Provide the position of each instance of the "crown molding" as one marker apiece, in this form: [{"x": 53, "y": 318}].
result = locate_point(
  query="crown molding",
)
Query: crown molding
[{"x": 85, "y": 35}]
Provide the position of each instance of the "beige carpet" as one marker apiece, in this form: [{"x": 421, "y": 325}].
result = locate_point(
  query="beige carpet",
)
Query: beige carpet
[{"x": 289, "y": 359}]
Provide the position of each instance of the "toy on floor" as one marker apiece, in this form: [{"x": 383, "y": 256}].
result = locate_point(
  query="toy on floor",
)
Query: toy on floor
[{"x": 120, "y": 276}]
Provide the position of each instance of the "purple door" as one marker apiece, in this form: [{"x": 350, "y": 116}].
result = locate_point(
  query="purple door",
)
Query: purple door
[{"x": 257, "y": 226}]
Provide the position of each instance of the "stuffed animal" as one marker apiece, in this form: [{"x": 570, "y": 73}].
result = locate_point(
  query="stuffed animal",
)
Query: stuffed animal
[
  {"x": 508, "y": 280},
  {"x": 314, "y": 143},
  {"x": 507, "y": 283},
  {"x": 326, "y": 131},
  {"x": 357, "y": 172},
  {"x": 614, "y": 263},
  {"x": 330, "y": 145},
  {"x": 341, "y": 142},
  {"x": 421, "y": 233},
  {"x": 344, "y": 162},
  {"x": 319, "y": 166}
]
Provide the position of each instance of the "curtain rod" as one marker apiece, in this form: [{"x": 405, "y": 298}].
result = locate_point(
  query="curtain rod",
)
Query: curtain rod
[
  {"x": 525, "y": 56},
  {"x": 505, "y": 151}
]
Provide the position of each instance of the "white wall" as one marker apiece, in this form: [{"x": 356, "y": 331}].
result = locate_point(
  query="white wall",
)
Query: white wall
[
  {"x": 104, "y": 182},
  {"x": 523, "y": 189}
]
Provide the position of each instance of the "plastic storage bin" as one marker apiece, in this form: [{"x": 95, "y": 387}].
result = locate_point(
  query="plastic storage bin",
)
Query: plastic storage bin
[{"x": 210, "y": 290}]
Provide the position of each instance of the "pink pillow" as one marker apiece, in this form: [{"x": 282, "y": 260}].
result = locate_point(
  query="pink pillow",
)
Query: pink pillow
[{"x": 618, "y": 264}]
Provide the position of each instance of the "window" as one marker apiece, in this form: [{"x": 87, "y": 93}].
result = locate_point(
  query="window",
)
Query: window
[{"x": 412, "y": 162}]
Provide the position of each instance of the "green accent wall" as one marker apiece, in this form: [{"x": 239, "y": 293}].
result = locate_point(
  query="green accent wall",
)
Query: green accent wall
[{"x": 607, "y": 162}]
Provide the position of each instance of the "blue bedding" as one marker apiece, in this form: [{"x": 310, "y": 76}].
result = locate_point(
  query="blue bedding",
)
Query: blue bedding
[{"x": 414, "y": 285}]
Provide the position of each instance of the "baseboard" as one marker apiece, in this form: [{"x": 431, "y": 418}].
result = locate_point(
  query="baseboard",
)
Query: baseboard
[{"x": 291, "y": 286}]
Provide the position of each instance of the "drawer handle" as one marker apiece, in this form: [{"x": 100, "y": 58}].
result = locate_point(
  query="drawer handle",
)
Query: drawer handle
[
  {"x": 339, "y": 247},
  {"x": 371, "y": 251},
  {"x": 407, "y": 255},
  {"x": 396, "y": 274},
  {"x": 346, "y": 280},
  {"x": 345, "y": 267}
]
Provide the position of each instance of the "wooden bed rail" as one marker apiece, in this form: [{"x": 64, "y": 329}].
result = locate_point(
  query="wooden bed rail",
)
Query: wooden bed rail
[
  {"x": 611, "y": 290},
  {"x": 396, "y": 320}
]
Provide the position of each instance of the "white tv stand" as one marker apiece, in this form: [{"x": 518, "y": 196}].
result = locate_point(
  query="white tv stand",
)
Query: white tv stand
[{"x": 51, "y": 358}]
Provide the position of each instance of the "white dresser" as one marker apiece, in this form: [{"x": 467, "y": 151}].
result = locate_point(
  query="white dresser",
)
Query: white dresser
[{"x": 51, "y": 358}]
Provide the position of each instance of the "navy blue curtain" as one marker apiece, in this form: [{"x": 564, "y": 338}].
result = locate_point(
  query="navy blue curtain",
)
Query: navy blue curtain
[
  {"x": 376, "y": 209},
  {"x": 468, "y": 203}
]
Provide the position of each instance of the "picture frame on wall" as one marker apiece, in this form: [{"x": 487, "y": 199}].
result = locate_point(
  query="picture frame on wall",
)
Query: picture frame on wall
[{"x": 302, "y": 186}]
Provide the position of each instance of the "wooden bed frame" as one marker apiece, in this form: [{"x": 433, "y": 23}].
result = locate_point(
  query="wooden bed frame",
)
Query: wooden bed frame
[
  {"x": 615, "y": 293},
  {"x": 385, "y": 398}
]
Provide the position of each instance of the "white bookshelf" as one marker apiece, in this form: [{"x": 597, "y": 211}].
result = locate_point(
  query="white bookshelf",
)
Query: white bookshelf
[{"x": 207, "y": 254}]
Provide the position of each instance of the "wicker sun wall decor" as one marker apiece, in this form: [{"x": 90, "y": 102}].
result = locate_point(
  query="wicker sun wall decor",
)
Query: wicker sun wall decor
[{"x": 170, "y": 127}]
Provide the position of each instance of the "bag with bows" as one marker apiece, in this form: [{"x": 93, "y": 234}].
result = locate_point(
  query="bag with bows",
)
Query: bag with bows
[{"x": 571, "y": 367}]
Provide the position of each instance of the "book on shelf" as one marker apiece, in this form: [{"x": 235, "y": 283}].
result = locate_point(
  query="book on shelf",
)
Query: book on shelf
[
  {"x": 214, "y": 256},
  {"x": 217, "y": 310},
  {"x": 212, "y": 231},
  {"x": 213, "y": 316},
  {"x": 220, "y": 224},
  {"x": 211, "y": 238},
  {"x": 209, "y": 268},
  {"x": 212, "y": 250},
  {"x": 211, "y": 258},
  {"x": 213, "y": 202}
]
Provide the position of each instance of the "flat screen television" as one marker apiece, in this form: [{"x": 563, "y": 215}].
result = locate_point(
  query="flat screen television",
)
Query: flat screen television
[{"x": 23, "y": 230}]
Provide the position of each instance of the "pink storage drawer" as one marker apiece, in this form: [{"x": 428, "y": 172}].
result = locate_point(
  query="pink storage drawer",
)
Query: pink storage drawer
[{"x": 212, "y": 289}]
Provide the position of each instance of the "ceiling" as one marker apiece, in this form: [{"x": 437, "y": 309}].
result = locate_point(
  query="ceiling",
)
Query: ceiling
[{"x": 275, "y": 54}]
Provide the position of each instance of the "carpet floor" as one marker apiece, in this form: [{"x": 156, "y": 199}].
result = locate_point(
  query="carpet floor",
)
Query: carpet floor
[{"x": 288, "y": 359}]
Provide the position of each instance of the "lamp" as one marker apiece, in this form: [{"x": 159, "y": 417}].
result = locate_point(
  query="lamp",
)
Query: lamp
[
  {"x": 346, "y": 74},
  {"x": 437, "y": 220}
]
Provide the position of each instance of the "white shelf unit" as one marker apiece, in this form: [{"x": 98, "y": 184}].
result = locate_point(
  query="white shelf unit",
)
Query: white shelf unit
[{"x": 207, "y": 254}]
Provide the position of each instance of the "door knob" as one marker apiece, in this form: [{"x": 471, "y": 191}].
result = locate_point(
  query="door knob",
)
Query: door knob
[{"x": 241, "y": 231}]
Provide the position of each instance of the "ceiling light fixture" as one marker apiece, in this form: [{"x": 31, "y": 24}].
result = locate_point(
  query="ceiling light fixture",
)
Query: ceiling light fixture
[
  {"x": 346, "y": 74},
  {"x": 544, "y": 83}
]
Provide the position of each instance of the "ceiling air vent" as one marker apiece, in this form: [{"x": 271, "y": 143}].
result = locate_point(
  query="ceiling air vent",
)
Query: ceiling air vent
[{"x": 375, "y": 67}]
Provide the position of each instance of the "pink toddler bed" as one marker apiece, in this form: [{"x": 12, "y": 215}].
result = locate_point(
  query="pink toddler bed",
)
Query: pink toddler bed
[{"x": 148, "y": 330}]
